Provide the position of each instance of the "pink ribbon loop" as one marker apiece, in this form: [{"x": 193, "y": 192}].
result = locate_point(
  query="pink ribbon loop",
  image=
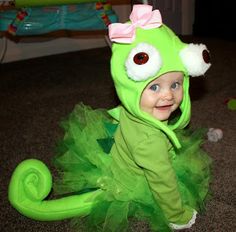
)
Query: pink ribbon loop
[{"x": 141, "y": 16}]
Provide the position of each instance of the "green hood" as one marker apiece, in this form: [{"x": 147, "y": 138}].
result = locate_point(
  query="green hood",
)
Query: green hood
[{"x": 129, "y": 91}]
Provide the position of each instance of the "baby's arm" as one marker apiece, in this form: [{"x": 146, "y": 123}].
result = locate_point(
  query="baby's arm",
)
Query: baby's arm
[{"x": 152, "y": 155}]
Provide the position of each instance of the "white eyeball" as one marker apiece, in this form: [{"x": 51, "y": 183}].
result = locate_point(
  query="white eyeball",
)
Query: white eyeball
[
  {"x": 196, "y": 59},
  {"x": 143, "y": 62}
]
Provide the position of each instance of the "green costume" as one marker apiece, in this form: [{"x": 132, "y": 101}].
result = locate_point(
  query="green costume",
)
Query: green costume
[
  {"x": 146, "y": 154},
  {"x": 135, "y": 166}
]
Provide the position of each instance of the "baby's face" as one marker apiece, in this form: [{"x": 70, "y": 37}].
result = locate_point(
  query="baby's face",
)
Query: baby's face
[{"x": 163, "y": 95}]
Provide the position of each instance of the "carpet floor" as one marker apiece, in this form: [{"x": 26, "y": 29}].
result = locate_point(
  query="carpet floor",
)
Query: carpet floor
[{"x": 36, "y": 94}]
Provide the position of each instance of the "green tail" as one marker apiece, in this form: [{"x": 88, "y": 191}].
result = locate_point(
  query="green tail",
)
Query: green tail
[{"x": 31, "y": 183}]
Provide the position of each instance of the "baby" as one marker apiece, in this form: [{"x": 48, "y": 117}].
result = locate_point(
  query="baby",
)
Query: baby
[{"x": 138, "y": 165}]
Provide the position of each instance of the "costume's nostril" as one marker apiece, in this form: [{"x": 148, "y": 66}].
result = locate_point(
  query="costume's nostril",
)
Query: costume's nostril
[
  {"x": 141, "y": 58},
  {"x": 206, "y": 56}
]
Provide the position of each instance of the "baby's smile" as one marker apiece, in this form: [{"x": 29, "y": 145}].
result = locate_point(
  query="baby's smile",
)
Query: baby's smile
[{"x": 164, "y": 107}]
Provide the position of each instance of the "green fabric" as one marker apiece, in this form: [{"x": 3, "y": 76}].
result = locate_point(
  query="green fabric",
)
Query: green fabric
[
  {"x": 144, "y": 151},
  {"x": 99, "y": 185},
  {"x": 31, "y": 183},
  {"x": 129, "y": 91},
  {"x": 83, "y": 164},
  {"x": 33, "y": 3},
  {"x": 132, "y": 185},
  {"x": 232, "y": 104}
]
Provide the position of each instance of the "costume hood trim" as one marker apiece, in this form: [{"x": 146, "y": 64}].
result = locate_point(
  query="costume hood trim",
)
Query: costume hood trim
[{"x": 146, "y": 55}]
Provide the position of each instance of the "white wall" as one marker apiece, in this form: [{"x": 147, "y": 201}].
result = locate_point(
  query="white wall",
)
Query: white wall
[{"x": 22, "y": 51}]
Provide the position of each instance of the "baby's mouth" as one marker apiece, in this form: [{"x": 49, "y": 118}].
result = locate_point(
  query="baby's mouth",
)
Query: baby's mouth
[{"x": 164, "y": 107}]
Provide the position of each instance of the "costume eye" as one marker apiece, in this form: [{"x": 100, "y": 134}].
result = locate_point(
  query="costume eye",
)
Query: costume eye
[
  {"x": 155, "y": 87},
  {"x": 196, "y": 59},
  {"x": 141, "y": 58},
  {"x": 144, "y": 61},
  {"x": 206, "y": 56}
]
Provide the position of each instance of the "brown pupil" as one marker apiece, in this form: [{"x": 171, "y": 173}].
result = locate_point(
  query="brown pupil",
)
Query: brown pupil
[
  {"x": 141, "y": 58},
  {"x": 206, "y": 56}
]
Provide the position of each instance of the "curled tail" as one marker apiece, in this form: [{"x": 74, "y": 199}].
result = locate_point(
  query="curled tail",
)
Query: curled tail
[{"x": 31, "y": 183}]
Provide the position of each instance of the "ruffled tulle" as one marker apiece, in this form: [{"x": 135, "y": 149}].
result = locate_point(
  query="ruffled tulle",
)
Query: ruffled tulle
[
  {"x": 193, "y": 169},
  {"x": 84, "y": 164}
]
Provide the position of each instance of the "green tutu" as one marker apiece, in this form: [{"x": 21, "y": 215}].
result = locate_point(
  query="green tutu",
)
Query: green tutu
[{"x": 84, "y": 165}]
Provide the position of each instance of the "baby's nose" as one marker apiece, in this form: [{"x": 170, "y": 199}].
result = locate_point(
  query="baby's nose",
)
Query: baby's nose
[{"x": 167, "y": 95}]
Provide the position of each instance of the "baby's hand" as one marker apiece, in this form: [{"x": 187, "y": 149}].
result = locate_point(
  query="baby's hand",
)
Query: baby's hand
[{"x": 186, "y": 226}]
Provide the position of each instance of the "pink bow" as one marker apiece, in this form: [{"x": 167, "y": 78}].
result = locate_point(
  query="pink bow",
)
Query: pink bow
[{"x": 141, "y": 16}]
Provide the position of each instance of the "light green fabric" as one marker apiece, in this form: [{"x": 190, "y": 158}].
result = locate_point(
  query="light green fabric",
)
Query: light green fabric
[
  {"x": 142, "y": 150},
  {"x": 31, "y": 183},
  {"x": 99, "y": 185},
  {"x": 129, "y": 91}
]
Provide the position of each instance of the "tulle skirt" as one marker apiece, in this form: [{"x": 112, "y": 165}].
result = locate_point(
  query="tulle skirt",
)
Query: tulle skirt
[{"x": 84, "y": 164}]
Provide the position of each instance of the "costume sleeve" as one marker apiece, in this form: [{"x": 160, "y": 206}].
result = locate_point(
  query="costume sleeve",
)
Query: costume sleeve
[{"x": 152, "y": 156}]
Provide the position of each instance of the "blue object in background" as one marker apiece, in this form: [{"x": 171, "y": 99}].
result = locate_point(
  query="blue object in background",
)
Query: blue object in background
[
  {"x": 41, "y": 20},
  {"x": 6, "y": 18}
]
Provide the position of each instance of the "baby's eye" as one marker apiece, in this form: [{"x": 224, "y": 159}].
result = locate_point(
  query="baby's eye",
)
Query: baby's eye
[
  {"x": 154, "y": 87},
  {"x": 175, "y": 85}
]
